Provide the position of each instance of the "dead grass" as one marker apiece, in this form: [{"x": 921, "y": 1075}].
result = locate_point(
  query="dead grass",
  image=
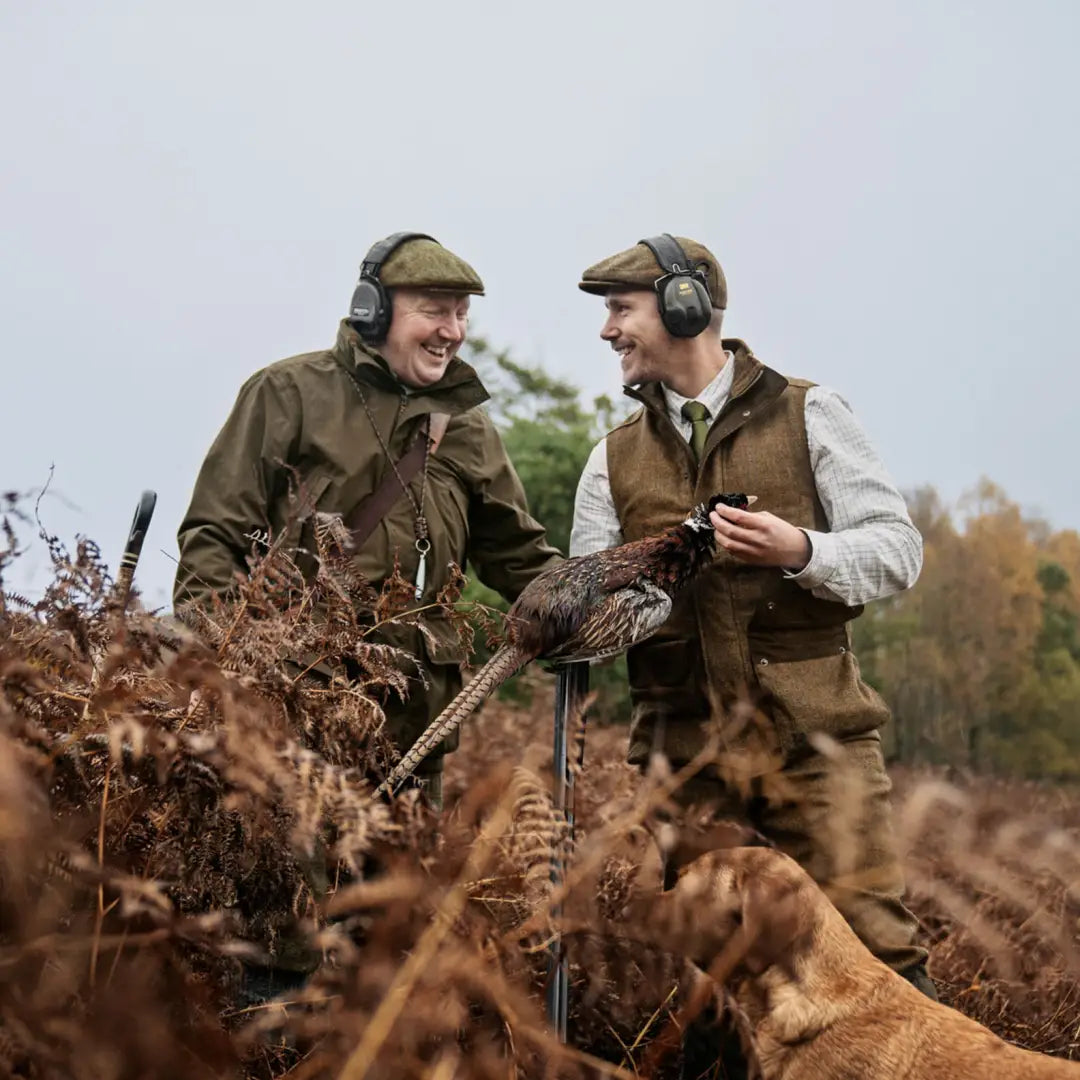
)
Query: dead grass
[{"x": 177, "y": 809}]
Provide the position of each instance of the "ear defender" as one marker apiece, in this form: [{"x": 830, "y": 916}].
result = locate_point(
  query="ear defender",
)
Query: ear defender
[
  {"x": 682, "y": 293},
  {"x": 371, "y": 309}
]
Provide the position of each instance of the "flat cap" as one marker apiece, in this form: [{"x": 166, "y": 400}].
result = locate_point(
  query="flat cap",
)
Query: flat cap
[
  {"x": 637, "y": 268},
  {"x": 426, "y": 264}
]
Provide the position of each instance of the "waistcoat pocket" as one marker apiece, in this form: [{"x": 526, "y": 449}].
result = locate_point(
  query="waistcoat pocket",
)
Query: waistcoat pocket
[{"x": 823, "y": 694}]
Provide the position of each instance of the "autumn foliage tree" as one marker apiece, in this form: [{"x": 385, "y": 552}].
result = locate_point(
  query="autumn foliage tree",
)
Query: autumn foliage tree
[{"x": 981, "y": 660}]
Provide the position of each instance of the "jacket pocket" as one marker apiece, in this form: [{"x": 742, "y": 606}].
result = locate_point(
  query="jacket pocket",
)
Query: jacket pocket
[{"x": 822, "y": 694}]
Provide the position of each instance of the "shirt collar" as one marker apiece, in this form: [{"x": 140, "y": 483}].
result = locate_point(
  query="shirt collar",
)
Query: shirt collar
[{"x": 713, "y": 397}]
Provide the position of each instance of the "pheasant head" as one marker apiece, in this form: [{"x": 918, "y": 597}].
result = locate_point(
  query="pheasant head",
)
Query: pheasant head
[{"x": 699, "y": 516}]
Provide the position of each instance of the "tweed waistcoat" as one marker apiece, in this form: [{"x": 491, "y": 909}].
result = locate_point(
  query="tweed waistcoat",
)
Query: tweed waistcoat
[{"x": 738, "y": 631}]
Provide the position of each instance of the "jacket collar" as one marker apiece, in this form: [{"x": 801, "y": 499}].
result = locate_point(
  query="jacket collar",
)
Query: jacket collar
[{"x": 459, "y": 389}]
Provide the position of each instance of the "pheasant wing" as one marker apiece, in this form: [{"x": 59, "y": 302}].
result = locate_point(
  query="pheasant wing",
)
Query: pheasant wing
[{"x": 615, "y": 622}]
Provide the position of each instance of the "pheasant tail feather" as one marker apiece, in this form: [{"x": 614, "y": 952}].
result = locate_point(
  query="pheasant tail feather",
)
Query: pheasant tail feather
[{"x": 505, "y": 663}]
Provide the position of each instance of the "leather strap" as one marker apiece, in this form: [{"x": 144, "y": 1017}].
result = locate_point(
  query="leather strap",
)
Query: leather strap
[{"x": 363, "y": 519}]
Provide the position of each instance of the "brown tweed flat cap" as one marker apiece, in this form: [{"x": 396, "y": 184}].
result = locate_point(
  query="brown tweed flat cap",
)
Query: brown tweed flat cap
[
  {"x": 637, "y": 268},
  {"x": 425, "y": 264}
]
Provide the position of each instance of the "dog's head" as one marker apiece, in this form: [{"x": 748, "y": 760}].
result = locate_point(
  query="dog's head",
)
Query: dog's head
[
  {"x": 753, "y": 918},
  {"x": 744, "y": 908}
]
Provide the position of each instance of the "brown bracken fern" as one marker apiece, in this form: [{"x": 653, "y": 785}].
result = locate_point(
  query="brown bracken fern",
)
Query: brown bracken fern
[{"x": 179, "y": 807}]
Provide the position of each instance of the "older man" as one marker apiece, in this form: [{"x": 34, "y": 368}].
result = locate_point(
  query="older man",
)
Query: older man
[
  {"x": 828, "y": 533},
  {"x": 383, "y": 428}
]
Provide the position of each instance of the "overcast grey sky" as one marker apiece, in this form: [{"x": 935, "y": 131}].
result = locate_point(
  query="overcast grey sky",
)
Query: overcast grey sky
[{"x": 188, "y": 189}]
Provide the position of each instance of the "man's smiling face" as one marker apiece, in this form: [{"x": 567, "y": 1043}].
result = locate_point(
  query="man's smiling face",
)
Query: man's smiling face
[
  {"x": 426, "y": 331},
  {"x": 634, "y": 330}
]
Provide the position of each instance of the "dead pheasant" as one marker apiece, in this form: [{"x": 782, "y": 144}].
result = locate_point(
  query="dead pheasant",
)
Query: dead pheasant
[{"x": 586, "y": 608}]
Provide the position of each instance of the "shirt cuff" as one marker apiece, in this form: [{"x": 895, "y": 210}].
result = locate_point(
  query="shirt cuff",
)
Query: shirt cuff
[{"x": 822, "y": 561}]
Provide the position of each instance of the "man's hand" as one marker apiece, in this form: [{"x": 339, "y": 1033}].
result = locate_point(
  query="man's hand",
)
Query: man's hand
[{"x": 761, "y": 539}]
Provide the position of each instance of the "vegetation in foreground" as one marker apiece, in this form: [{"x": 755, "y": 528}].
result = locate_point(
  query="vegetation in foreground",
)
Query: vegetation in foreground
[{"x": 177, "y": 812}]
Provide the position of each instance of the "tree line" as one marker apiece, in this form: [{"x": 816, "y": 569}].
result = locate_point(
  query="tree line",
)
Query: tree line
[{"x": 980, "y": 661}]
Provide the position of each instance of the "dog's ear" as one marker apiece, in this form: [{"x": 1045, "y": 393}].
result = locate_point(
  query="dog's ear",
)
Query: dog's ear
[
  {"x": 776, "y": 921},
  {"x": 778, "y": 924}
]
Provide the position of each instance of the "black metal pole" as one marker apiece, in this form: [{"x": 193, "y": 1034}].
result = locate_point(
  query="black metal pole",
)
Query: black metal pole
[{"x": 571, "y": 687}]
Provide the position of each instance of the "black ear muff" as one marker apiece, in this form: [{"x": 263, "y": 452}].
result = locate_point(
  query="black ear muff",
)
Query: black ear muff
[
  {"x": 370, "y": 309},
  {"x": 682, "y": 292}
]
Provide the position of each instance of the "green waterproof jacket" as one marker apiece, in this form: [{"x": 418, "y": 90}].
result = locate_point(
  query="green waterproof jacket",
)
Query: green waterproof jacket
[{"x": 302, "y": 419}]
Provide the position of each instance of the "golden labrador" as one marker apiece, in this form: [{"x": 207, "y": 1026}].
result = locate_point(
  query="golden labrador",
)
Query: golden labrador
[{"x": 819, "y": 1004}]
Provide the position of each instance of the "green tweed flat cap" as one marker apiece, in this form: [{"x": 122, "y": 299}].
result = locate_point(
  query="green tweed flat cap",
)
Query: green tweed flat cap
[
  {"x": 426, "y": 264},
  {"x": 637, "y": 268}
]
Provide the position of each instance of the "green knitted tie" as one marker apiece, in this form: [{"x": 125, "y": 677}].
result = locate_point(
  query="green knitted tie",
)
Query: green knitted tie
[{"x": 698, "y": 416}]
